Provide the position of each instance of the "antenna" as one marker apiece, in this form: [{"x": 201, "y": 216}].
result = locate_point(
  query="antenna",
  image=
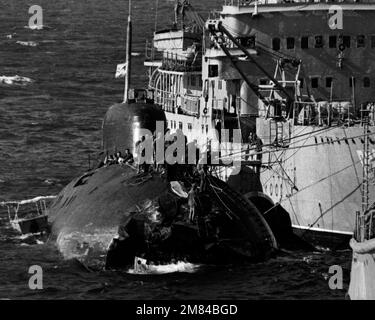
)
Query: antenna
[{"x": 128, "y": 54}]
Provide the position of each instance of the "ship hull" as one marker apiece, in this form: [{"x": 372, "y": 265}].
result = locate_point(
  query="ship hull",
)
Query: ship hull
[
  {"x": 317, "y": 179},
  {"x": 323, "y": 239}
]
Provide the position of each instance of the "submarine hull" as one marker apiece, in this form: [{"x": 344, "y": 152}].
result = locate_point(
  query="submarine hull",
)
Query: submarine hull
[
  {"x": 86, "y": 216},
  {"x": 107, "y": 217}
]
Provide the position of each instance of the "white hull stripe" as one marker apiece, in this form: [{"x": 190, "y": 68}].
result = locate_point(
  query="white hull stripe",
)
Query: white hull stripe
[{"x": 323, "y": 230}]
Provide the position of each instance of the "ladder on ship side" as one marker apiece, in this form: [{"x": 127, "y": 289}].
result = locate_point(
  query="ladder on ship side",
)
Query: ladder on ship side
[
  {"x": 366, "y": 165},
  {"x": 363, "y": 221}
]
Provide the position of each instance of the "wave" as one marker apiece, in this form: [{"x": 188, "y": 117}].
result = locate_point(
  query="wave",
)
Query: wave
[
  {"x": 51, "y": 181},
  {"x": 37, "y": 27},
  {"x": 27, "y": 43},
  {"x": 16, "y": 80},
  {"x": 180, "y": 266}
]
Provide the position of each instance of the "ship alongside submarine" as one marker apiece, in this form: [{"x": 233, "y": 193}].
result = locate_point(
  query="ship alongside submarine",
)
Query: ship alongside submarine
[
  {"x": 112, "y": 214},
  {"x": 280, "y": 73}
]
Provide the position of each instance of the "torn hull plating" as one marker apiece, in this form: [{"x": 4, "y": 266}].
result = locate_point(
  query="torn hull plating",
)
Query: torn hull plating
[
  {"x": 88, "y": 212},
  {"x": 109, "y": 216}
]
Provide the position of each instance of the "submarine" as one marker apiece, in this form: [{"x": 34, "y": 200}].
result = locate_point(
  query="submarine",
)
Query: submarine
[{"x": 110, "y": 215}]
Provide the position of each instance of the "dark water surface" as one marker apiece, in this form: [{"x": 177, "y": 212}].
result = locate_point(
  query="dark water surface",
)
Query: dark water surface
[{"x": 49, "y": 127}]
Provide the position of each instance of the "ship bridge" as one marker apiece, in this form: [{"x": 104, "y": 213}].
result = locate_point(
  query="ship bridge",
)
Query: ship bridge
[{"x": 337, "y": 57}]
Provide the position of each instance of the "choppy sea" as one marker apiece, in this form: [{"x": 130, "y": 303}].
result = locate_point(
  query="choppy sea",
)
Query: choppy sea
[{"x": 50, "y": 122}]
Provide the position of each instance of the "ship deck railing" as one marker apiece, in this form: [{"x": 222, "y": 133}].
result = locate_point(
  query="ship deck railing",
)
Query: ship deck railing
[
  {"x": 311, "y": 113},
  {"x": 223, "y": 104},
  {"x": 176, "y": 62},
  {"x": 176, "y": 103},
  {"x": 29, "y": 208},
  {"x": 247, "y": 3}
]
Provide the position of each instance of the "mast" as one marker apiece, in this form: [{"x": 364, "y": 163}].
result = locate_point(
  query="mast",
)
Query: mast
[{"x": 128, "y": 54}]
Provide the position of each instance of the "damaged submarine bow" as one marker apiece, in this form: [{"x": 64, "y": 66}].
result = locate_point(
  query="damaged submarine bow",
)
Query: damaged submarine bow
[{"x": 110, "y": 215}]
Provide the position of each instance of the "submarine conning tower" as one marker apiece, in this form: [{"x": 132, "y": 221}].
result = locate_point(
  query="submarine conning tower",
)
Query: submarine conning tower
[{"x": 123, "y": 122}]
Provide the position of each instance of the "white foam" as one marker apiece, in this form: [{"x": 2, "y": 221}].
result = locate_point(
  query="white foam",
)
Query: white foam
[
  {"x": 27, "y": 43},
  {"x": 168, "y": 268},
  {"x": 49, "y": 181},
  {"x": 17, "y": 80},
  {"x": 35, "y": 27}
]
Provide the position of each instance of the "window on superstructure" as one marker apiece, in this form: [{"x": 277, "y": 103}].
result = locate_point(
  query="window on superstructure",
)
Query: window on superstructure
[
  {"x": 372, "y": 41},
  {"x": 190, "y": 127},
  {"x": 193, "y": 82},
  {"x": 290, "y": 42},
  {"x": 241, "y": 40},
  {"x": 361, "y": 41},
  {"x": 213, "y": 70},
  {"x": 220, "y": 85},
  {"x": 332, "y": 41},
  {"x": 314, "y": 82},
  {"x": 329, "y": 82},
  {"x": 263, "y": 82},
  {"x": 276, "y": 44},
  {"x": 318, "y": 41},
  {"x": 346, "y": 41},
  {"x": 366, "y": 82},
  {"x": 251, "y": 42},
  {"x": 180, "y": 126},
  {"x": 304, "y": 42}
]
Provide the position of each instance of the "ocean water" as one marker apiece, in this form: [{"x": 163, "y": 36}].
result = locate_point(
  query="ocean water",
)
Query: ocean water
[{"x": 50, "y": 124}]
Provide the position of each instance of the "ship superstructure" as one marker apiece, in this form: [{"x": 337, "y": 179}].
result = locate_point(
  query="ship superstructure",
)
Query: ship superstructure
[{"x": 299, "y": 75}]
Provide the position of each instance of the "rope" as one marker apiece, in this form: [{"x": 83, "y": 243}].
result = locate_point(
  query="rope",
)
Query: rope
[
  {"x": 352, "y": 159},
  {"x": 217, "y": 196},
  {"x": 292, "y": 138},
  {"x": 311, "y": 185},
  {"x": 332, "y": 207},
  {"x": 298, "y": 148}
]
